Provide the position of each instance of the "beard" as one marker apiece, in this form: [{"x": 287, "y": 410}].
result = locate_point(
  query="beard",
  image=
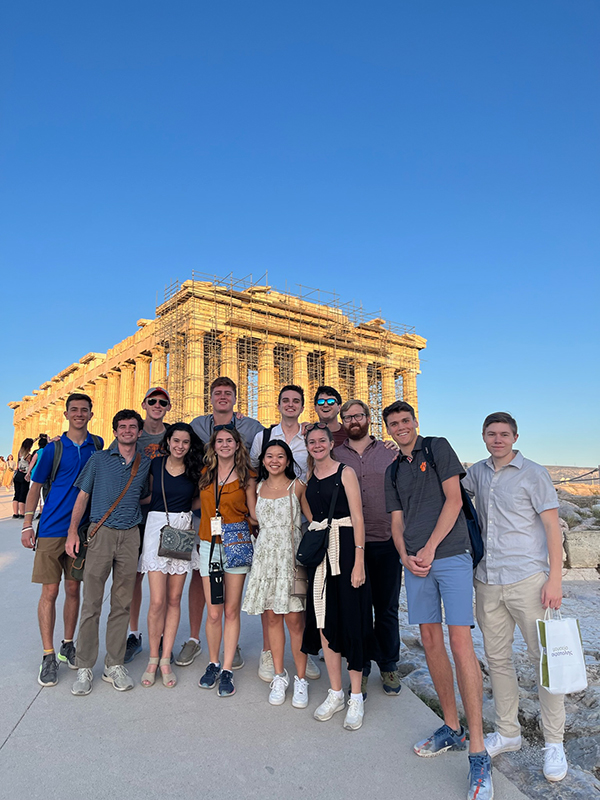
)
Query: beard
[{"x": 358, "y": 430}]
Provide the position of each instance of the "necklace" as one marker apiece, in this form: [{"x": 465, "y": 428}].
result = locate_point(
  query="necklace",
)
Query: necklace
[{"x": 274, "y": 486}]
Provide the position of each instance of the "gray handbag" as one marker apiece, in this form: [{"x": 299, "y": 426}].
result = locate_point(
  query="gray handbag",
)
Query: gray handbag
[{"x": 174, "y": 542}]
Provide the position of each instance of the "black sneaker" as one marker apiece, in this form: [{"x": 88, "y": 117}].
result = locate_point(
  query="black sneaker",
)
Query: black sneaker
[
  {"x": 66, "y": 654},
  {"x": 48, "y": 671},
  {"x": 226, "y": 687},
  {"x": 210, "y": 677},
  {"x": 134, "y": 646}
]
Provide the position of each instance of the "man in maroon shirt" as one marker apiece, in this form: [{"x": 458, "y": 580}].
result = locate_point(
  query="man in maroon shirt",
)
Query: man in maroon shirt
[{"x": 370, "y": 458}]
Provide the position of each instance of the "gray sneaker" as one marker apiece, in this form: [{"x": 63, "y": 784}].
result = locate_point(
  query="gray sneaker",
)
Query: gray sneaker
[
  {"x": 118, "y": 676},
  {"x": 313, "y": 671},
  {"x": 67, "y": 654},
  {"x": 238, "y": 659},
  {"x": 83, "y": 684},
  {"x": 48, "y": 674},
  {"x": 188, "y": 653}
]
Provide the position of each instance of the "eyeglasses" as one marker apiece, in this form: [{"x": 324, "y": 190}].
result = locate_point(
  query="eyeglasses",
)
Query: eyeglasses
[
  {"x": 357, "y": 417},
  {"x": 152, "y": 401},
  {"x": 229, "y": 427},
  {"x": 329, "y": 401},
  {"x": 312, "y": 426}
]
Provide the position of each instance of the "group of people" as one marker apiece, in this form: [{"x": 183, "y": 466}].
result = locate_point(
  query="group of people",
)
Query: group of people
[
  {"x": 255, "y": 496},
  {"x": 16, "y": 475}
]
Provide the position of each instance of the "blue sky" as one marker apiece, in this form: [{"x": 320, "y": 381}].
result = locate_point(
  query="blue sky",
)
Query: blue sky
[{"x": 438, "y": 161}]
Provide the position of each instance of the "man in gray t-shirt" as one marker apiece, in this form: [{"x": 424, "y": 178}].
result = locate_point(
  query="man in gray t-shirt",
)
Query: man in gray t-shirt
[{"x": 430, "y": 533}]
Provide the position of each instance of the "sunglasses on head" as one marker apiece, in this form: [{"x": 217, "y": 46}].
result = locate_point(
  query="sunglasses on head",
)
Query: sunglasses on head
[
  {"x": 330, "y": 401},
  {"x": 312, "y": 426},
  {"x": 152, "y": 401},
  {"x": 229, "y": 427}
]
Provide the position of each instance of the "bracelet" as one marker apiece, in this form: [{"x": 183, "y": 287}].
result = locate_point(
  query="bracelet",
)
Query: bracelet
[
  {"x": 359, "y": 547},
  {"x": 30, "y": 528},
  {"x": 29, "y": 513}
]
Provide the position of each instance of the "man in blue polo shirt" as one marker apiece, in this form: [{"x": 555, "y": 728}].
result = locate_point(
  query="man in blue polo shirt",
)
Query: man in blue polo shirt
[{"x": 51, "y": 561}]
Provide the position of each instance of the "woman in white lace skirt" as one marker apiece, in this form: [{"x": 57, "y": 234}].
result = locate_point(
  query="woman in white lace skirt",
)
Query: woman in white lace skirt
[
  {"x": 180, "y": 472},
  {"x": 278, "y": 511}
]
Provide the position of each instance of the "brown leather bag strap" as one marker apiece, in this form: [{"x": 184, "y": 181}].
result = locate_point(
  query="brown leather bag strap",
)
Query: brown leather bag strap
[{"x": 134, "y": 472}]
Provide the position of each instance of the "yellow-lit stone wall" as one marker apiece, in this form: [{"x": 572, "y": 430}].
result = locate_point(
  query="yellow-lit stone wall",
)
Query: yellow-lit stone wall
[{"x": 259, "y": 337}]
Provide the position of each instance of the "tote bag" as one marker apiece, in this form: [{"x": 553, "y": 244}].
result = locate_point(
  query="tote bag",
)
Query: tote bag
[{"x": 562, "y": 664}]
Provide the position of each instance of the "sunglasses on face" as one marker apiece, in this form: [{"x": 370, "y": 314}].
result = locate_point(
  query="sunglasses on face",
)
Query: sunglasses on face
[
  {"x": 329, "y": 401},
  {"x": 152, "y": 401}
]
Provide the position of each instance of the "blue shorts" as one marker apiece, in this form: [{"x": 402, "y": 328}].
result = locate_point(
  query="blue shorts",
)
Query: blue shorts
[
  {"x": 450, "y": 580},
  {"x": 201, "y": 562}
]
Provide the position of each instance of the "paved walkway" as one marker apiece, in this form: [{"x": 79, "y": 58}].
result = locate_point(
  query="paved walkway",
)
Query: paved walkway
[{"x": 188, "y": 743}]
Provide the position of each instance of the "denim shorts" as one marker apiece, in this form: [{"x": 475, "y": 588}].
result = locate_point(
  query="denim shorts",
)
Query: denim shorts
[
  {"x": 201, "y": 560},
  {"x": 450, "y": 580}
]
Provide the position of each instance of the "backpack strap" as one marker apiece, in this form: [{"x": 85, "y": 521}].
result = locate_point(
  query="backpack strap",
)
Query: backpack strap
[
  {"x": 97, "y": 441},
  {"x": 266, "y": 439},
  {"x": 58, "y": 451}
]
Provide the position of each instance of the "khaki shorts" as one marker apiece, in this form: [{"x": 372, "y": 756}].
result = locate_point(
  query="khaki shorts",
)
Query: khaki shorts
[{"x": 51, "y": 560}]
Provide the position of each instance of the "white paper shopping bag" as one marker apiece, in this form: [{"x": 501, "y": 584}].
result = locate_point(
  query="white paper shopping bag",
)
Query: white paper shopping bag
[{"x": 562, "y": 664}]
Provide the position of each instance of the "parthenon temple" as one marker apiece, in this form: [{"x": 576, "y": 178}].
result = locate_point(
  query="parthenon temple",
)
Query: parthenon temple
[{"x": 259, "y": 337}]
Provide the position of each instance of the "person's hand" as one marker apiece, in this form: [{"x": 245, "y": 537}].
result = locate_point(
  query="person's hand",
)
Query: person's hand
[
  {"x": 28, "y": 537},
  {"x": 72, "y": 544},
  {"x": 390, "y": 444},
  {"x": 358, "y": 575},
  {"x": 552, "y": 593},
  {"x": 412, "y": 565},
  {"x": 425, "y": 556},
  {"x": 239, "y": 415}
]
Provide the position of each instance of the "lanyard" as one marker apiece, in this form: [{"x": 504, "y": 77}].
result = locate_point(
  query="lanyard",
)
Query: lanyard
[{"x": 218, "y": 496}]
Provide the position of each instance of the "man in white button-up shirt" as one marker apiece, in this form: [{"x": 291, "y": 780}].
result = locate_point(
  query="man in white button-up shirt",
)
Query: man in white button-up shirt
[{"x": 519, "y": 576}]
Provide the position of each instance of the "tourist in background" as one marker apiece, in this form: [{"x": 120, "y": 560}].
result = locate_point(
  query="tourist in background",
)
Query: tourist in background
[
  {"x": 227, "y": 496},
  {"x": 156, "y": 404},
  {"x": 370, "y": 458},
  {"x": 338, "y": 607},
  {"x": 519, "y": 576},
  {"x": 269, "y": 590},
  {"x": 174, "y": 478},
  {"x": 21, "y": 485},
  {"x": 8, "y": 475}
]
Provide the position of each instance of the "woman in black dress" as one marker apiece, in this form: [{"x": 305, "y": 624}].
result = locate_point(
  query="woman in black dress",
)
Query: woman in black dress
[{"x": 338, "y": 616}]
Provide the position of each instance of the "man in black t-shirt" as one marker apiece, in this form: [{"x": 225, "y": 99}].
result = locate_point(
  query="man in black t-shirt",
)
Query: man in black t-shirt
[{"x": 430, "y": 532}]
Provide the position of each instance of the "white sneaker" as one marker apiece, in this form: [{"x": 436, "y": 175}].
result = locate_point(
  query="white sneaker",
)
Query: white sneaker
[
  {"x": 83, "y": 684},
  {"x": 119, "y": 677},
  {"x": 266, "y": 670},
  {"x": 555, "y": 761},
  {"x": 313, "y": 673},
  {"x": 354, "y": 715},
  {"x": 330, "y": 706},
  {"x": 495, "y": 744},
  {"x": 300, "y": 698},
  {"x": 278, "y": 686}
]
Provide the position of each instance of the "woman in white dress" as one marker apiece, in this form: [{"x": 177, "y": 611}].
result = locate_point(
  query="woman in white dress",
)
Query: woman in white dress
[
  {"x": 180, "y": 472},
  {"x": 278, "y": 510}
]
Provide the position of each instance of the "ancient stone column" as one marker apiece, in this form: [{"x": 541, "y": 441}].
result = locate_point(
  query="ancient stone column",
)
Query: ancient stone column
[
  {"x": 141, "y": 382},
  {"x": 266, "y": 384},
  {"x": 388, "y": 386},
  {"x": 159, "y": 367},
  {"x": 111, "y": 403},
  {"x": 229, "y": 356},
  {"x": 44, "y": 420},
  {"x": 301, "y": 379},
  {"x": 99, "y": 418},
  {"x": 332, "y": 374},
  {"x": 193, "y": 398},
  {"x": 361, "y": 381},
  {"x": 409, "y": 378},
  {"x": 126, "y": 386}
]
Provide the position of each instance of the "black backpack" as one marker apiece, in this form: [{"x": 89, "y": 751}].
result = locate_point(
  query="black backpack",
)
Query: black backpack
[
  {"x": 266, "y": 439},
  {"x": 58, "y": 451},
  {"x": 468, "y": 507}
]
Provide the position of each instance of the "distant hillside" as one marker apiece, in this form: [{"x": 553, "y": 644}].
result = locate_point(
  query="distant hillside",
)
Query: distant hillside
[{"x": 565, "y": 473}]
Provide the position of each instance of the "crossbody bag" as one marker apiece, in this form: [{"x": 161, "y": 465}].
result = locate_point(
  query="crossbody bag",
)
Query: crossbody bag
[{"x": 174, "y": 542}]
